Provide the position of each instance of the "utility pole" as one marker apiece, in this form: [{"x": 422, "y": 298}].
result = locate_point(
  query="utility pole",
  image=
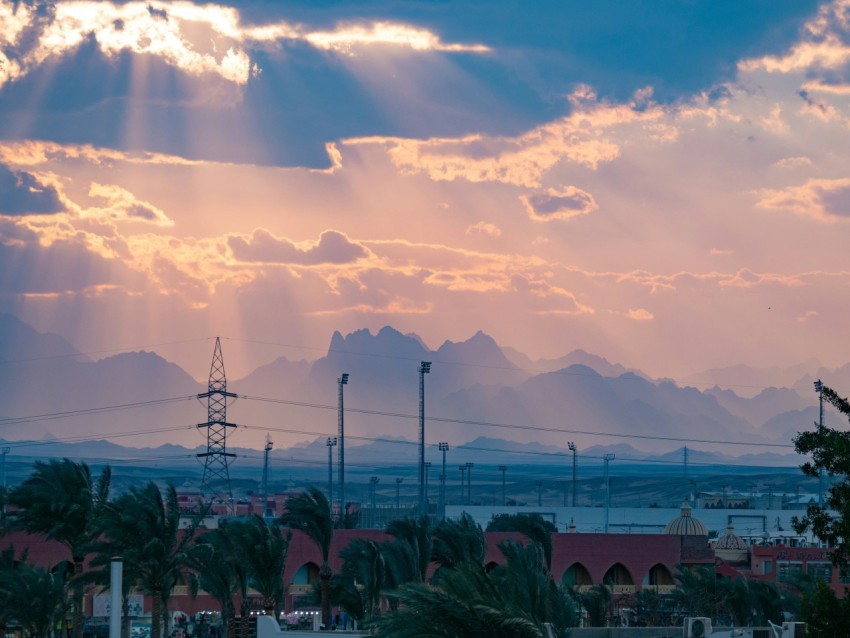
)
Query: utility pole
[
  {"x": 331, "y": 445},
  {"x": 469, "y": 467},
  {"x": 265, "y": 485},
  {"x": 607, "y": 458},
  {"x": 398, "y": 481},
  {"x": 216, "y": 456},
  {"x": 573, "y": 449},
  {"x": 444, "y": 447},
  {"x": 503, "y": 469},
  {"x": 341, "y": 382},
  {"x": 424, "y": 368}
]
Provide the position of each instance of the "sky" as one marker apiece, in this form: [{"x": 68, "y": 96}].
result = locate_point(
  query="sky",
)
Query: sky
[{"x": 665, "y": 183}]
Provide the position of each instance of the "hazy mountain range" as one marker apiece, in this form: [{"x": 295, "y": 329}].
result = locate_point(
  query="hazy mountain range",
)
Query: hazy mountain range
[{"x": 477, "y": 394}]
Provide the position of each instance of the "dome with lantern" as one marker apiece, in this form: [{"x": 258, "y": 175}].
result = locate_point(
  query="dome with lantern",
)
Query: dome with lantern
[{"x": 685, "y": 524}]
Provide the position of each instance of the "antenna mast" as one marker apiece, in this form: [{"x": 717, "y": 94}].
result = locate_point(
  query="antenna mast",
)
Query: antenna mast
[{"x": 215, "y": 458}]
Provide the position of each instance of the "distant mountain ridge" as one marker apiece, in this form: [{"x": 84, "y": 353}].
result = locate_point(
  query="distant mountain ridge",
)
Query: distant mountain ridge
[{"x": 476, "y": 390}]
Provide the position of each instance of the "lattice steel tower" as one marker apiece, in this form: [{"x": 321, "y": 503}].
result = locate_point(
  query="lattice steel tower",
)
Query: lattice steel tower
[{"x": 215, "y": 458}]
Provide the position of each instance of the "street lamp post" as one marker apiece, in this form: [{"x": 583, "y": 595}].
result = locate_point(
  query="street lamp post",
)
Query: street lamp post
[
  {"x": 331, "y": 443},
  {"x": 503, "y": 469},
  {"x": 572, "y": 447},
  {"x": 424, "y": 368},
  {"x": 342, "y": 381},
  {"x": 469, "y": 467},
  {"x": 444, "y": 447}
]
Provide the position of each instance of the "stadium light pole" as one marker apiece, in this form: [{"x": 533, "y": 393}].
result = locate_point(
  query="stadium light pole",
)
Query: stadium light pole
[
  {"x": 573, "y": 449},
  {"x": 341, "y": 381},
  {"x": 444, "y": 447},
  {"x": 424, "y": 368},
  {"x": 427, "y": 473},
  {"x": 819, "y": 390}
]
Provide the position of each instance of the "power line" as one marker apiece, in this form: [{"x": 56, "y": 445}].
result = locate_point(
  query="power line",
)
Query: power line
[
  {"x": 513, "y": 426},
  {"x": 72, "y": 355},
  {"x": 87, "y": 411}
]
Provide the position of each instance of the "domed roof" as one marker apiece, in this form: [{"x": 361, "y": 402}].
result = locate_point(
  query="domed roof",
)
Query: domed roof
[
  {"x": 686, "y": 525},
  {"x": 730, "y": 540}
]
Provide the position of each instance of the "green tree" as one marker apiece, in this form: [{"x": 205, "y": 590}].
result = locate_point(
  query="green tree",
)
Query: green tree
[
  {"x": 596, "y": 601},
  {"x": 310, "y": 512},
  {"x": 650, "y": 607},
  {"x": 829, "y": 450},
  {"x": 826, "y": 615},
  {"x": 144, "y": 529},
  {"x": 61, "y": 501}
]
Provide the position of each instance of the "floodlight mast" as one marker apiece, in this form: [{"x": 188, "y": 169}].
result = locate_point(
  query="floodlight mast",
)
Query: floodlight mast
[
  {"x": 341, "y": 381},
  {"x": 819, "y": 390},
  {"x": 424, "y": 368}
]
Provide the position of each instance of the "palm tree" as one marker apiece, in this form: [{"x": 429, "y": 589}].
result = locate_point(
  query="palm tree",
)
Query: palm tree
[
  {"x": 262, "y": 549},
  {"x": 217, "y": 570},
  {"x": 465, "y": 602},
  {"x": 458, "y": 541},
  {"x": 525, "y": 581},
  {"x": 535, "y": 527},
  {"x": 416, "y": 535},
  {"x": 144, "y": 529},
  {"x": 364, "y": 575},
  {"x": 61, "y": 501},
  {"x": 310, "y": 512},
  {"x": 33, "y": 597}
]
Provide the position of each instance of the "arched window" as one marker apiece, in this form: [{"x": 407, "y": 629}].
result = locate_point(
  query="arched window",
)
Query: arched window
[
  {"x": 658, "y": 574},
  {"x": 307, "y": 574},
  {"x": 576, "y": 576},
  {"x": 617, "y": 575}
]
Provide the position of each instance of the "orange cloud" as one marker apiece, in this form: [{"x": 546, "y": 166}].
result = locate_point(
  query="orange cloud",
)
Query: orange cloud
[
  {"x": 821, "y": 199},
  {"x": 484, "y": 228},
  {"x": 333, "y": 247}
]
